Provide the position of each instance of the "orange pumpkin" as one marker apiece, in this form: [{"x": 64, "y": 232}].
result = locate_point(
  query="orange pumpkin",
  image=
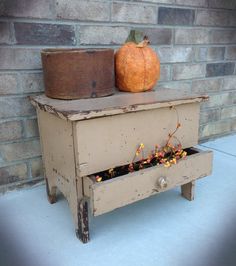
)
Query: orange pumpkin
[{"x": 137, "y": 67}]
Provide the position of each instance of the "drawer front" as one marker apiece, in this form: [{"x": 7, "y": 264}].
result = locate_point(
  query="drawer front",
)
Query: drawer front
[
  {"x": 117, "y": 192},
  {"x": 111, "y": 141}
]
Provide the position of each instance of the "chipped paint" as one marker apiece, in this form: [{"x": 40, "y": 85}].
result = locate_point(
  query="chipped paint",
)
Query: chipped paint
[
  {"x": 144, "y": 183},
  {"x": 113, "y": 105}
]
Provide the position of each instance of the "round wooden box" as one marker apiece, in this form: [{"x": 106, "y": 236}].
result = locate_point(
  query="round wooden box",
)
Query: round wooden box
[{"x": 78, "y": 73}]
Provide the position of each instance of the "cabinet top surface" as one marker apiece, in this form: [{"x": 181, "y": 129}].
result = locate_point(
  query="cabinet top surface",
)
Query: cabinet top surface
[{"x": 121, "y": 102}]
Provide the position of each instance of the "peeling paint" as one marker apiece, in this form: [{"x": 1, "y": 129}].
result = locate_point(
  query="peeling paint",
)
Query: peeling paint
[{"x": 124, "y": 104}]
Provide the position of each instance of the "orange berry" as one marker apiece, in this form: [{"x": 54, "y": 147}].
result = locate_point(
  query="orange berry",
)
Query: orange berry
[{"x": 98, "y": 178}]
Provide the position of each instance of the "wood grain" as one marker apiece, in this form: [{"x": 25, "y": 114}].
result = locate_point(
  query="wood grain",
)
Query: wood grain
[{"x": 78, "y": 73}]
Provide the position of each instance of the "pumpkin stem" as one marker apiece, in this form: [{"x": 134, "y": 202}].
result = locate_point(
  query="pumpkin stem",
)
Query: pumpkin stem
[
  {"x": 135, "y": 36},
  {"x": 143, "y": 43}
]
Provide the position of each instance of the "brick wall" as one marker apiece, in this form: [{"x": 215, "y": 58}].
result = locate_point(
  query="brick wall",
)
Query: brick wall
[{"x": 195, "y": 39}]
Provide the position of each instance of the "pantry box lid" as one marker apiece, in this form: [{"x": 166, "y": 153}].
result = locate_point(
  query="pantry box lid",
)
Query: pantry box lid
[{"x": 119, "y": 103}]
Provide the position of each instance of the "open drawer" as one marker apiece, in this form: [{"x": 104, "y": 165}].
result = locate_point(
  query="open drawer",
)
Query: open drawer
[{"x": 108, "y": 195}]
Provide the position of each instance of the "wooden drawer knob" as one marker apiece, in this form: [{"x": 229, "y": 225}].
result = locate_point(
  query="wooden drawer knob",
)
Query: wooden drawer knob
[{"x": 162, "y": 182}]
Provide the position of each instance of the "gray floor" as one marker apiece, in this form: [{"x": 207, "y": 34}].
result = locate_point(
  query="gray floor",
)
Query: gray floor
[{"x": 164, "y": 230}]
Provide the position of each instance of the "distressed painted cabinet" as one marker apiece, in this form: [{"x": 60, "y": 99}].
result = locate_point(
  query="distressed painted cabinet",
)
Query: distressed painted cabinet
[{"x": 82, "y": 137}]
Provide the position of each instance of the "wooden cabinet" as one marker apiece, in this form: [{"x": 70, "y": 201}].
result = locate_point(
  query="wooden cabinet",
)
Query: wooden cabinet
[{"x": 82, "y": 137}]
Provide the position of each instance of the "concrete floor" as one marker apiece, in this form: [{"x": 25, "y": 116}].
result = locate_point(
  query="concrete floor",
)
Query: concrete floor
[{"x": 164, "y": 230}]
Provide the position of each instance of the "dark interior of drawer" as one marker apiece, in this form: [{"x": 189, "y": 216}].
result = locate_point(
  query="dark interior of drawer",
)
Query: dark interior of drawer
[{"x": 190, "y": 151}]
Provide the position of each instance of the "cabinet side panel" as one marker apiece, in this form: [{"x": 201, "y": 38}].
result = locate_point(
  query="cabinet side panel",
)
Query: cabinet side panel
[{"x": 58, "y": 153}]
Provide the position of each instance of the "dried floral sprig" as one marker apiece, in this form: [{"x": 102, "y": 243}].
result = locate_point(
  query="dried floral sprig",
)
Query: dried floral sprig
[
  {"x": 139, "y": 151},
  {"x": 167, "y": 155}
]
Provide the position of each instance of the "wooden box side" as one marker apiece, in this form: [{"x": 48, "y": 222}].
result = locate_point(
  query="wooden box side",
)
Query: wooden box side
[
  {"x": 78, "y": 73},
  {"x": 56, "y": 137}
]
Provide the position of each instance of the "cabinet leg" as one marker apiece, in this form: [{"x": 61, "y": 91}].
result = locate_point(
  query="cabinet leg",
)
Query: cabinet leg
[
  {"x": 83, "y": 221},
  {"x": 187, "y": 190},
  {"x": 51, "y": 192}
]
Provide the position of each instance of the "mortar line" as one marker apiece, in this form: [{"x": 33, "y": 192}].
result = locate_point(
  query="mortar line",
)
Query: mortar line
[
  {"x": 84, "y": 45},
  {"x": 70, "y": 22}
]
